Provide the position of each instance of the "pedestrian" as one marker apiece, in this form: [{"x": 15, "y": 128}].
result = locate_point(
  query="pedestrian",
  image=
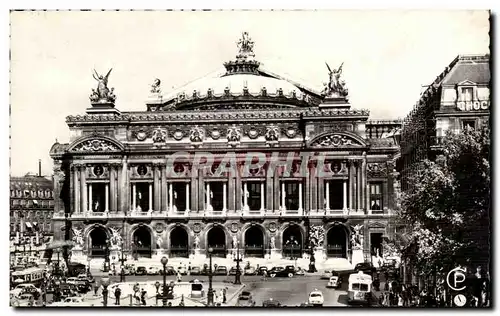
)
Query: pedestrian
[
  {"x": 96, "y": 288},
  {"x": 224, "y": 298},
  {"x": 386, "y": 286},
  {"x": 118, "y": 293},
  {"x": 264, "y": 275},
  {"x": 179, "y": 276},
  {"x": 143, "y": 297},
  {"x": 400, "y": 300}
]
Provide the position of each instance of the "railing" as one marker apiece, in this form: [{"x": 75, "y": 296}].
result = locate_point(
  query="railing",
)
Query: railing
[
  {"x": 143, "y": 251},
  {"x": 294, "y": 251},
  {"x": 218, "y": 250},
  {"x": 335, "y": 251},
  {"x": 254, "y": 250},
  {"x": 179, "y": 251}
]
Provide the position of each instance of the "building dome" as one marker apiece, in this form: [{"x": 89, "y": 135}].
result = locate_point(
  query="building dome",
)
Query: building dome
[{"x": 241, "y": 81}]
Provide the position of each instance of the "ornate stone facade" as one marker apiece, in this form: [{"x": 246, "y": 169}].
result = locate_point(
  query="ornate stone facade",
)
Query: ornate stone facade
[{"x": 298, "y": 176}]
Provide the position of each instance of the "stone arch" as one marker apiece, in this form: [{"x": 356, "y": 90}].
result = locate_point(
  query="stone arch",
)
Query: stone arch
[
  {"x": 253, "y": 240},
  {"x": 292, "y": 240},
  {"x": 217, "y": 237},
  {"x": 337, "y": 240},
  {"x": 95, "y": 143},
  {"x": 97, "y": 236},
  {"x": 142, "y": 240},
  {"x": 353, "y": 139},
  {"x": 179, "y": 242}
]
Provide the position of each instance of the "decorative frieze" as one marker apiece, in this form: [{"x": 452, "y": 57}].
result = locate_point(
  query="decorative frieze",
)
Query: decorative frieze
[
  {"x": 335, "y": 141},
  {"x": 95, "y": 145},
  {"x": 376, "y": 170}
]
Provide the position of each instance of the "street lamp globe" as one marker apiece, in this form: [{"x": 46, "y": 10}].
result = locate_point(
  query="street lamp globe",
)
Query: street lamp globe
[
  {"x": 105, "y": 282},
  {"x": 210, "y": 250},
  {"x": 164, "y": 260}
]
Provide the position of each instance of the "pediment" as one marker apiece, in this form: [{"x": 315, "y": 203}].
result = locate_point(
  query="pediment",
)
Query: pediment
[
  {"x": 95, "y": 144},
  {"x": 466, "y": 83},
  {"x": 337, "y": 140}
]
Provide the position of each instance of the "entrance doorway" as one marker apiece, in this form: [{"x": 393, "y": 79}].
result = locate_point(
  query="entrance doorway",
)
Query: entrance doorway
[
  {"x": 376, "y": 244},
  {"x": 292, "y": 242},
  {"x": 98, "y": 239},
  {"x": 142, "y": 242},
  {"x": 179, "y": 243},
  {"x": 254, "y": 242},
  {"x": 216, "y": 239},
  {"x": 337, "y": 242}
]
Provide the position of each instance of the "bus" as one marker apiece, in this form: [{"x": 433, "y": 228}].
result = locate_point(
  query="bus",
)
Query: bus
[
  {"x": 360, "y": 288},
  {"x": 30, "y": 275}
]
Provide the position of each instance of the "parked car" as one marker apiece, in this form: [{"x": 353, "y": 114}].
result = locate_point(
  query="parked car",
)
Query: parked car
[
  {"x": 87, "y": 277},
  {"x": 26, "y": 300},
  {"x": 153, "y": 271},
  {"x": 182, "y": 270},
  {"x": 260, "y": 270},
  {"x": 83, "y": 286},
  {"x": 170, "y": 270},
  {"x": 250, "y": 270},
  {"x": 71, "y": 281},
  {"x": 245, "y": 300},
  {"x": 221, "y": 270},
  {"x": 334, "y": 282},
  {"x": 327, "y": 274},
  {"x": 316, "y": 298},
  {"x": 141, "y": 271},
  {"x": 300, "y": 271},
  {"x": 70, "y": 301},
  {"x": 68, "y": 290},
  {"x": 288, "y": 271},
  {"x": 195, "y": 271},
  {"x": 366, "y": 267},
  {"x": 24, "y": 288},
  {"x": 233, "y": 270},
  {"x": 271, "y": 303}
]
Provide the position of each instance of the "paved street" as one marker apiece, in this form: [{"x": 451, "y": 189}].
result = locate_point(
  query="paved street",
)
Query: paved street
[
  {"x": 295, "y": 291},
  {"x": 288, "y": 291}
]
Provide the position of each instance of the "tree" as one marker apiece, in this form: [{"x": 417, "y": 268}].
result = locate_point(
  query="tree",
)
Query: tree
[{"x": 448, "y": 207}]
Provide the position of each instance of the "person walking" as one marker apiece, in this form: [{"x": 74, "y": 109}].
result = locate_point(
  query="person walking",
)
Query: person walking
[
  {"x": 264, "y": 275},
  {"x": 143, "y": 297},
  {"x": 118, "y": 293},
  {"x": 224, "y": 297}
]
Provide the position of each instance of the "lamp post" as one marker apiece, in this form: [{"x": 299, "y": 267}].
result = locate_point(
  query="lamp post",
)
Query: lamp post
[
  {"x": 237, "y": 276},
  {"x": 164, "y": 261},
  {"x": 210, "y": 295},
  {"x": 157, "y": 286},
  {"x": 105, "y": 283}
]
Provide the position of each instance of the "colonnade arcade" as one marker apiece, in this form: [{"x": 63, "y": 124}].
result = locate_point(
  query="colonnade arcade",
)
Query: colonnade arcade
[
  {"x": 145, "y": 188},
  {"x": 252, "y": 241}
]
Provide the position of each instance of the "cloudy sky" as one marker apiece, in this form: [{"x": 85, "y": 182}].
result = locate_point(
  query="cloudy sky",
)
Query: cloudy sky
[{"x": 387, "y": 55}]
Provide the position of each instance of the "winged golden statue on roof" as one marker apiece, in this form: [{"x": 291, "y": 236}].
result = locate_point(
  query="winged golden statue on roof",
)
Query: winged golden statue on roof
[{"x": 335, "y": 86}]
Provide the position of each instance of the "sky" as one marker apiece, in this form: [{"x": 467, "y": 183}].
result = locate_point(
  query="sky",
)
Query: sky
[{"x": 387, "y": 56}]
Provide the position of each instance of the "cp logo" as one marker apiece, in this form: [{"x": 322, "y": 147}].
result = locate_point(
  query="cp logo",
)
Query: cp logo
[{"x": 456, "y": 278}]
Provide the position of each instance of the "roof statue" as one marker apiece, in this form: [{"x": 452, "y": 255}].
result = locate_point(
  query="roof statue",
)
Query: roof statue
[
  {"x": 336, "y": 86},
  {"x": 245, "y": 45},
  {"x": 103, "y": 93},
  {"x": 155, "y": 87}
]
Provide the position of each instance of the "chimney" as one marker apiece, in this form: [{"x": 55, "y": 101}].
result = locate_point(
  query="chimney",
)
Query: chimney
[{"x": 39, "y": 167}]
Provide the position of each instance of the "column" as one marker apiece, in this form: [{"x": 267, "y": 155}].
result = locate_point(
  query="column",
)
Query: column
[
  {"x": 150, "y": 202},
  {"x": 314, "y": 190},
  {"x": 363, "y": 183},
  {"x": 237, "y": 202},
  {"x": 156, "y": 183},
  {"x": 187, "y": 197},
  {"x": 207, "y": 197},
  {"x": 76, "y": 189},
  {"x": 164, "y": 189},
  {"x": 231, "y": 196},
  {"x": 385, "y": 196},
  {"x": 112, "y": 179},
  {"x": 125, "y": 187},
  {"x": 106, "y": 199},
  {"x": 358, "y": 186},
  {"x": 269, "y": 191},
  {"x": 245, "y": 196},
  {"x": 320, "y": 193},
  {"x": 118, "y": 191},
  {"x": 307, "y": 197},
  {"x": 344, "y": 197},
  {"x": 351, "y": 185},
  {"x": 300, "y": 197},
  {"x": 283, "y": 206},
  {"x": 83, "y": 191},
  {"x": 134, "y": 197},
  {"x": 171, "y": 197},
  {"x": 90, "y": 198},
  {"x": 327, "y": 198},
  {"x": 262, "y": 197},
  {"x": 224, "y": 197}
]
